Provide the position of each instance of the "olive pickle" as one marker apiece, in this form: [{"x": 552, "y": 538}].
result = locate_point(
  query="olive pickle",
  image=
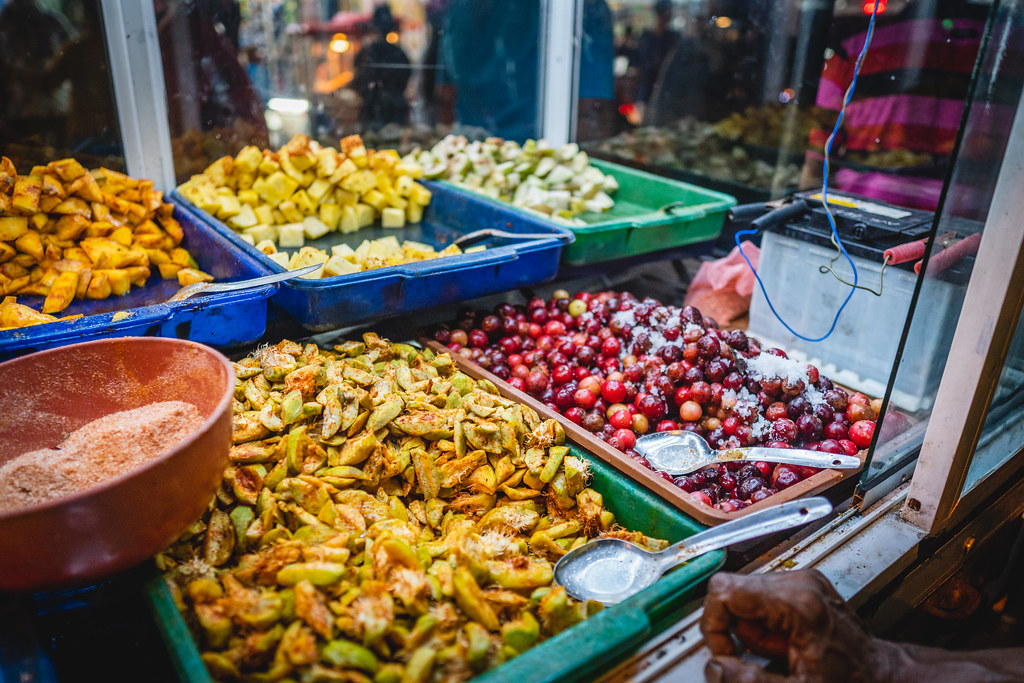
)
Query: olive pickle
[{"x": 385, "y": 517}]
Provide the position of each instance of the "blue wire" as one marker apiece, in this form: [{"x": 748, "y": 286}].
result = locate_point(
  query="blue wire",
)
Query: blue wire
[{"x": 824, "y": 200}]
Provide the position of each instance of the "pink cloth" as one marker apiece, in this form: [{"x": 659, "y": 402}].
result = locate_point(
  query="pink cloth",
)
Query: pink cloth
[{"x": 722, "y": 288}]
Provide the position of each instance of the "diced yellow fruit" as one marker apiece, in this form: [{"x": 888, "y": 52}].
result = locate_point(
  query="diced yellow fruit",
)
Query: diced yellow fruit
[
  {"x": 229, "y": 205},
  {"x": 188, "y": 276},
  {"x": 12, "y": 227},
  {"x": 26, "y": 193},
  {"x": 314, "y": 227},
  {"x": 29, "y": 243},
  {"x": 249, "y": 197},
  {"x": 244, "y": 181},
  {"x": 364, "y": 214},
  {"x": 327, "y": 161},
  {"x": 291, "y": 235},
  {"x": 262, "y": 233},
  {"x": 121, "y": 281},
  {"x": 122, "y": 236},
  {"x": 264, "y": 214},
  {"x": 183, "y": 258},
  {"x": 73, "y": 205},
  {"x": 247, "y": 239},
  {"x": 289, "y": 167},
  {"x": 305, "y": 203},
  {"x": 349, "y": 222},
  {"x": 67, "y": 169},
  {"x": 306, "y": 256},
  {"x": 418, "y": 194},
  {"x": 248, "y": 159},
  {"x": 359, "y": 182},
  {"x": 414, "y": 171},
  {"x": 280, "y": 258},
  {"x": 268, "y": 166},
  {"x": 384, "y": 184},
  {"x": 267, "y": 247},
  {"x": 403, "y": 185},
  {"x": 392, "y": 218},
  {"x": 246, "y": 218},
  {"x": 337, "y": 265},
  {"x": 318, "y": 189},
  {"x": 277, "y": 188},
  {"x": 345, "y": 198},
  {"x": 395, "y": 201},
  {"x": 342, "y": 250},
  {"x": 414, "y": 213},
  {"x": 330, "y": 214},
  {"x": 290, "y": 211},
  {"x": 476, "y": 249},
  {"x": 450, "y": 250},
  {"x": 345, "y": 168},
  {"x": 374, "y": 199},
  {"x": 169, "y": 270},
  {"x": 99, "y": 285}
]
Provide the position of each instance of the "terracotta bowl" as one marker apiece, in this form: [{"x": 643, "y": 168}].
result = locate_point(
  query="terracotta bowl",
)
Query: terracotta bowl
[{"x": 128, "y": 518}]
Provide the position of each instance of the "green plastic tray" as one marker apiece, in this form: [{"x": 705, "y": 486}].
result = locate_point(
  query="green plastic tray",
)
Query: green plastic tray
[
  {"x": 651, "y": 213},
  {"x": 576, "y": 654}
]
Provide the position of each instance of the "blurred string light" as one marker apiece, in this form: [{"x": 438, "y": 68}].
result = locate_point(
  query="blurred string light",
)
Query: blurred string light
[
  {"x": 339, "y": 43},
  {"x": 723, "y": 22},
  {"x": 391, "y": 37},
  {"x": 786, "y": 95}
]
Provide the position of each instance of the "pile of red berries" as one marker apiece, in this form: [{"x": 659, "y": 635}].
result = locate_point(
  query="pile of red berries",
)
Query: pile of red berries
[{"x": 621, "y": 367}]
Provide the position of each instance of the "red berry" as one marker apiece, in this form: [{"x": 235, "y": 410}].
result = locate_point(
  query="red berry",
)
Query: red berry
[
  {"x": 585, "y": 398},
  {"x": 621, "y": 419},
  {"x": 613, "y": 391},
  {"x": 554, "y": 327},
  {"x": 861, "y": 433},
  {"x": 701, "y": 497},
  {"x": 765, "y": 468},
  {"x": 667, "y": 426},
  {"x": 700, "y": 392},
  {"x": 690, "y": 411},
  {"x": 626, "y": 436},
  {"x": 517, "y": 383}
]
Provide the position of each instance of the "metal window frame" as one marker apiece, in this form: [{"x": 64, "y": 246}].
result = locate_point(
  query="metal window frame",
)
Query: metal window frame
[
  {"x": 561, "y": 27},
  {"x": 991, "y": 309},
  {"x": 133, "y": 49}
]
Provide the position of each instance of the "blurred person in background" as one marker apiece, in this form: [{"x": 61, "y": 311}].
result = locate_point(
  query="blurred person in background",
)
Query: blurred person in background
[
  {"x": 382, "y": 72},
  {"x": 900, "y": 127},
  {"x": 653, "y": 47}
]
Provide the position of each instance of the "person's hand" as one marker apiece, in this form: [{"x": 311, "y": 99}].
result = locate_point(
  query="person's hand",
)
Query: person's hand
[{"x": 796, "y": 616}]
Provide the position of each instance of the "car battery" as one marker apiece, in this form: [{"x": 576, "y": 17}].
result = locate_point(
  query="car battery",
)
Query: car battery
[{"x": 862, "y": 348}]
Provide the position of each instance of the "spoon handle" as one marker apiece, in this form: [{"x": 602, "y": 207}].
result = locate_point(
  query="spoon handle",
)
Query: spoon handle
[
  {"x": 761, "y": 523},
  {"x": 799, "y": 456}
]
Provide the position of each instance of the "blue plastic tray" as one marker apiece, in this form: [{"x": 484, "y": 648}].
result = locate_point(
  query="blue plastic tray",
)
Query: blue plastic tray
[
  {"x": 226, "y": 319},
  {"x": 333, "y": 302}
]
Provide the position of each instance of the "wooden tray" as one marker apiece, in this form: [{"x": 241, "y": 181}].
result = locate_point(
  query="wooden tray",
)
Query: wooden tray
[{"x": 649, "y": 478}]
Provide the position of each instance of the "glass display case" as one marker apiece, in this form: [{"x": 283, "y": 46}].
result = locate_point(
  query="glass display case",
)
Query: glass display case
[{"x": 730, "y": 96}]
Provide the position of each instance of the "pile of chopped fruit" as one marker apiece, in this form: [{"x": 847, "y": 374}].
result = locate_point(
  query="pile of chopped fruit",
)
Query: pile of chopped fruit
[
  {"x": 370, "y": 254},
  {"x": 304, "y": 191},
  {"x": 67, "y": 233},
  {"x": 622, "y": 367},
  {"x": 384, "y": 517}
]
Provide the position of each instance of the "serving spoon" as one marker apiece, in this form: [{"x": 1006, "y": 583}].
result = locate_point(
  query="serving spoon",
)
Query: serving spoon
[
  {"x": 681, "y": 452},
  {"x": 609, "y": 570},
  {"x": 197, "y": 288}
]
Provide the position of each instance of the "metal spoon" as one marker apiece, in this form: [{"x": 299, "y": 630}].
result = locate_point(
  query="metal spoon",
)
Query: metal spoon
[
  {"x": 471, "y": 238},
  {"x": 680, "y": 452},
  {"x": 610, "y": 570},
  {"x": 197, "y": 288}
]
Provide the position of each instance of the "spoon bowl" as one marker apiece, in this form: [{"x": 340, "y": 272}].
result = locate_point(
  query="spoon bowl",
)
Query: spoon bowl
[
  {"x": 609, "y": 570},
  {"x": 681, "y": 452}
]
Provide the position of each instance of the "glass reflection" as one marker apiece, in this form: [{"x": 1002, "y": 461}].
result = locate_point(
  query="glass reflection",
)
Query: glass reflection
[{"x": 56, "y": 94}]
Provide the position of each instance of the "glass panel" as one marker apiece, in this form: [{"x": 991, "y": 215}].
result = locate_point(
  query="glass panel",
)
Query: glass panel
[
  {"x": 964, "y": 208},
  {"x": 56, "y": 94},
  {"x": 1003, "y": 431},
  {"x": 401, "y": 74},
  {"x": 715, "y": 92}
]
